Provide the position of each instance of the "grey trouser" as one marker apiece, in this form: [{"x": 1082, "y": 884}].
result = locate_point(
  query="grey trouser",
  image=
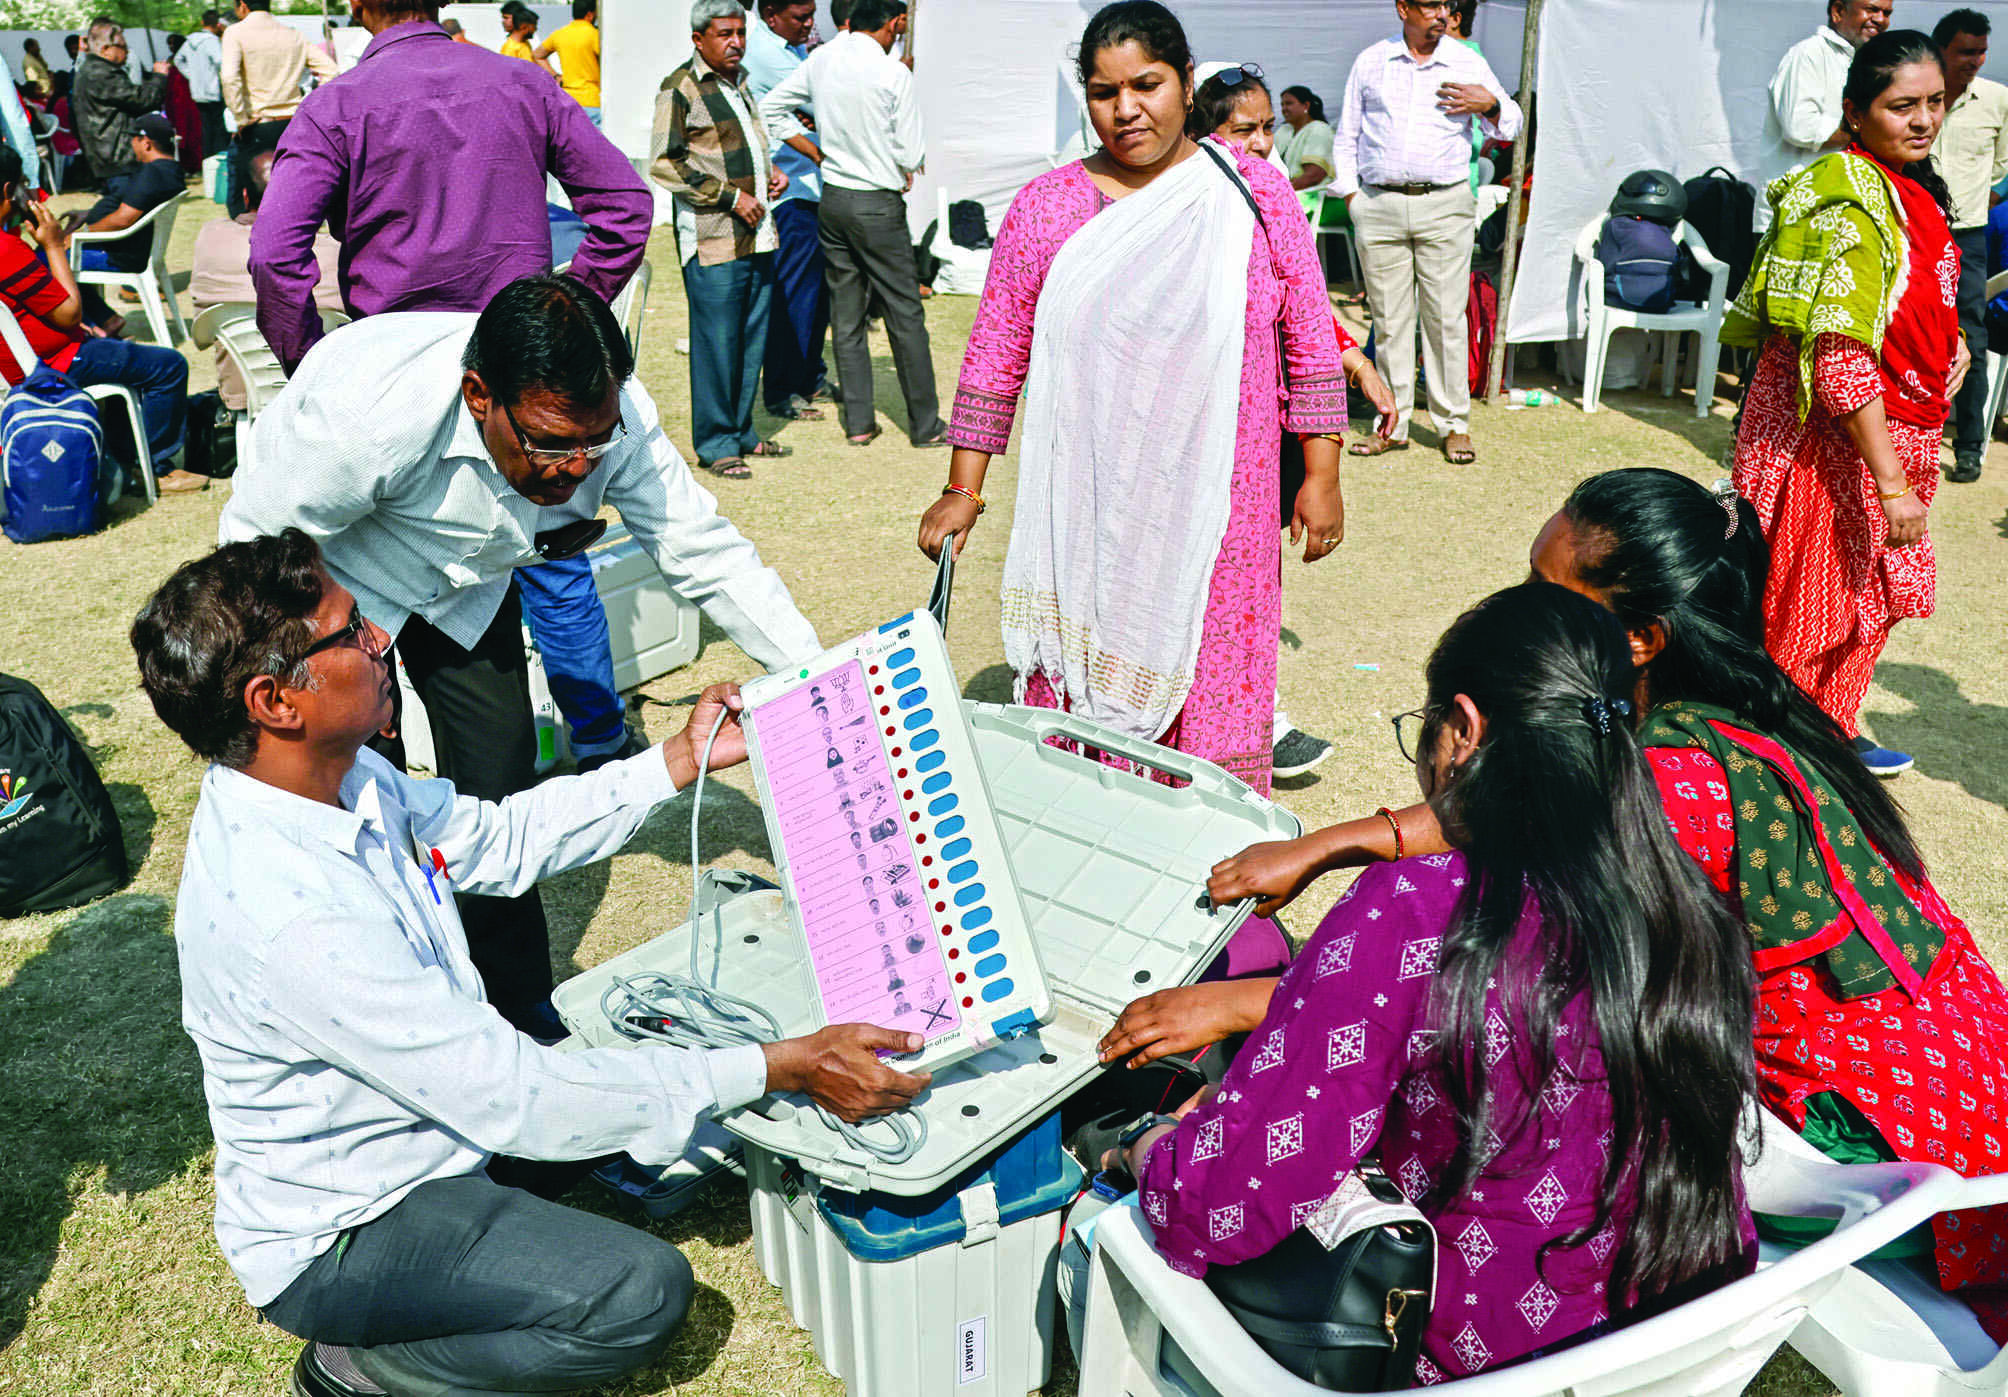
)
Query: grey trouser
[
  {"x": 468, "y": 1286},
  {"x": 867, "y": 249},
  {"x": 1415, "y": 250}
]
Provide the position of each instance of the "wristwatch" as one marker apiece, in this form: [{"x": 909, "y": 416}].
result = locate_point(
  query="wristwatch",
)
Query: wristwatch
[{"x": 1140, "y": 1127}]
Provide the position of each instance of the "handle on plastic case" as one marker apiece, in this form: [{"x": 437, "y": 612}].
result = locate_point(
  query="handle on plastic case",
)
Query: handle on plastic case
[
  {"x": 1203, "y": 775},
  {"x": 944, "y": 584}
]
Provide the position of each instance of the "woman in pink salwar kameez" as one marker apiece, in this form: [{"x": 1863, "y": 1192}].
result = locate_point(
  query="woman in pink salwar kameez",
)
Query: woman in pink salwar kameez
[{"x": 1143, "y": 586}]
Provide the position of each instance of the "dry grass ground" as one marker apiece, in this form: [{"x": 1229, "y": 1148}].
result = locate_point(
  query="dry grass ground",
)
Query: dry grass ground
[{"x": 109, "y": 1276}]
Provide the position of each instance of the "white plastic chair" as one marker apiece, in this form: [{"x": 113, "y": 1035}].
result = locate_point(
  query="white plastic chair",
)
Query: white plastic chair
[
  {"x": 1152, "y": 1331},
  {"x": 16, "y": 340},
  {"x": 1704, "y": 320},
  {"x": 43, "y": 126},
  {"x": 1886, "y": 1330},
  {"x": 1316, "y": 213},
  {"x": 155, "y": 286},
  {"x": 1997, "y": 364},
  {"x": 234, "y": 325}
]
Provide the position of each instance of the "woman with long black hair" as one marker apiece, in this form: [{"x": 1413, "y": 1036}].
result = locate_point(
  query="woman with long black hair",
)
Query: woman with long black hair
[
  {"x": 1544, "y": 1032},
  {"x": 1882, "y": 1032}
]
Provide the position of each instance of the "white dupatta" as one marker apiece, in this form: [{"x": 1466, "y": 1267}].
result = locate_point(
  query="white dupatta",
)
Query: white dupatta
[{"x": 1132, "y": 406}]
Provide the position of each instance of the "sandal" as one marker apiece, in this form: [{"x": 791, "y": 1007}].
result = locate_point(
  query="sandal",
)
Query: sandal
[
  {"x": 1458, "y": 455},
  {"x": 772, "y": 449},
  {"x": 1377, "y": 446},
  {"x": 727, "y": 467},
  {"x": 866, "y": 438},
  {"x": 940, "y": 438},
  {"x": 796, "y": 412}
]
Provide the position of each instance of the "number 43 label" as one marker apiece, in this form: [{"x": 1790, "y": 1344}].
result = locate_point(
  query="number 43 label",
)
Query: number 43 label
[{"x": 972, "y": 1361}]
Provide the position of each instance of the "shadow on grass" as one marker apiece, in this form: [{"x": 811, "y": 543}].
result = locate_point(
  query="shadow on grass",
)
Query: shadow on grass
[
  {"x": 1952, "y": 737},
  {"x": 98, "y": 1075},
  {"x": 991, "y": 684},
  {"x": 134, "y": 807}
]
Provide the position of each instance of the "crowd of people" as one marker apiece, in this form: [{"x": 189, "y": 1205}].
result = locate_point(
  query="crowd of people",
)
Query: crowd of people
[{"x": 1653, "y": 877}]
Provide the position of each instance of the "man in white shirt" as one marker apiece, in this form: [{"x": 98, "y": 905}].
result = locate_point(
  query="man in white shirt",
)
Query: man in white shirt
[
  {"x": 369, "y": 1104},
  {"x": 432, "y": 454},
  {"x": 1971, "y": 154},
  {"x": 201, "y": 62},
  {"x": 1806, "y": 88},
  {"x": 868, "y": 122},
  {"x": 1402, "y": 158},
  {"x": 710, "y": 151}
]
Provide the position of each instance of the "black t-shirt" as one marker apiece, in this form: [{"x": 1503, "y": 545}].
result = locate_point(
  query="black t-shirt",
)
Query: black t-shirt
[{"x": 146, "y": 186}]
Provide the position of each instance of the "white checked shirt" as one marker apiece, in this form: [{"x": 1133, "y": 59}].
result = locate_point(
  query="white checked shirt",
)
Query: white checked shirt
[
  {"x": 867, "y": 116},
  {"x": 348, "y": 1051},
  {"x": 370, "y": 450},
  {"x": 1806, "y": 89},
  {"x": 201, "y": 62},
  {"x": 1390, "y": 131}
]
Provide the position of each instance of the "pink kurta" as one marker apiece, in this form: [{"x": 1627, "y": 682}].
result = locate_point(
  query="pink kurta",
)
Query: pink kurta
[{"x": 1228, "y": 714}]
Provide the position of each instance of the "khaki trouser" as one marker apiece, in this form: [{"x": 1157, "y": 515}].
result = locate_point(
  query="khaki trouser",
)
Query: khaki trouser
[{"x": 1415, "y": 250}]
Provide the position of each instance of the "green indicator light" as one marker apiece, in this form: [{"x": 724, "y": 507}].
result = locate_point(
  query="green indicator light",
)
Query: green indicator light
[{"x": 803, "y": 675}]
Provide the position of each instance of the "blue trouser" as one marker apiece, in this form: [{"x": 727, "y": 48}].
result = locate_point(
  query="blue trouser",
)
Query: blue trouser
[
  {"x": 157, "y": 375},
  {"x": 565, "y": 616},
  {"x": 728, "y": 339},
  {"x": 801, "y": 314}
]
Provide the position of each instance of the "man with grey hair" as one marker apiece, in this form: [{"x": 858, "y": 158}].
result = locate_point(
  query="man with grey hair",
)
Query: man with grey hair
[
  {"x": 104, "y": 99},
  {"x": 711, "y": 152}
]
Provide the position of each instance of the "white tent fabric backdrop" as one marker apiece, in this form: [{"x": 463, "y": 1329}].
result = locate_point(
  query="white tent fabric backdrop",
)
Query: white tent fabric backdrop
[
  {"x": 997, "y": 94},
  {"x": 1678, "y": 85}
]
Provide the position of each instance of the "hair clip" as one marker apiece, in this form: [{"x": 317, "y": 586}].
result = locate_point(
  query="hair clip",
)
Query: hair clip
[
  {"x": 1724, "y": 491},
  {"x": 1600, "y": 713}
]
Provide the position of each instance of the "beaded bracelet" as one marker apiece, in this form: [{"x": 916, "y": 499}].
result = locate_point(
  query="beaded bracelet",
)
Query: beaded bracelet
[
  {"x": 967, "y": 494},
  {"x": 1395, "y": 825}
]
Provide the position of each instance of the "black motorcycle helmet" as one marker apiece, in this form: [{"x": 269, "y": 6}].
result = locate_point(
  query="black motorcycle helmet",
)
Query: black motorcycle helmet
[{"x": 1653, "y": 195}]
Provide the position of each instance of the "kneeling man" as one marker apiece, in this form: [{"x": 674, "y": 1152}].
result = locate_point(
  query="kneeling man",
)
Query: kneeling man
[{"x": 365, "y": 1096}]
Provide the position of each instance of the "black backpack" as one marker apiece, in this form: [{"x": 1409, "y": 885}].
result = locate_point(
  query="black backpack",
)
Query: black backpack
[
  {"x": 1640, "y": 259},
  {"x": 60, "y": 842},
  {"x": 1723, "y": 209}
]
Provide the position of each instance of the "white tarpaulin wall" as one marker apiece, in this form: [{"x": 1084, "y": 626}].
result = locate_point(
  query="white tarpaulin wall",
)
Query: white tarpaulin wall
[
  {"x": 1677, "y": 85},
  {"x": 996, "y": 92}
]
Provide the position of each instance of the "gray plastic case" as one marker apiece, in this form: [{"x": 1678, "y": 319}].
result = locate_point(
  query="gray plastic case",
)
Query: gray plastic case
[{"x": 1112, "y": 868}]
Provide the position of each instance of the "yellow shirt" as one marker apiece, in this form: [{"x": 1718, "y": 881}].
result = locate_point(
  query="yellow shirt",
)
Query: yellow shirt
[
  {"x": 578, "y": 48},
  {"x": 516, "y": 48}
]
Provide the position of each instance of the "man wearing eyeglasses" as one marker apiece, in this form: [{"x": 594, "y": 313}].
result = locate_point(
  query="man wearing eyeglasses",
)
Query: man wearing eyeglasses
[
  {"x": 104, "y": 99},
  {"x": 431, "y": 455},
  {"x": 375, "y": 1119},
  {"x": 1402, "y": 162}
]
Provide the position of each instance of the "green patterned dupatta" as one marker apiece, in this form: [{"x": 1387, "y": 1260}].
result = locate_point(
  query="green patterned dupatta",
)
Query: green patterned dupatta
[
  {"x": 1812, "y": 887},
  {"x": 1834, "y": 261}
]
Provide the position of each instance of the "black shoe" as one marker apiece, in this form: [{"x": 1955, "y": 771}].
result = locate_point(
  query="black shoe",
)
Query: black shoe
[
  {"x": 327, "y": 1371},
  {"x": 1964, "y": 471},
  {"x": 1298, "y": 752},
  {"x": 635, "y": 745}
]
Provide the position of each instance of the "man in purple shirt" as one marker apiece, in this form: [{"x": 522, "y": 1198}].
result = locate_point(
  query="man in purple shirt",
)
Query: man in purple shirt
[{"x": 428, "y": 163}]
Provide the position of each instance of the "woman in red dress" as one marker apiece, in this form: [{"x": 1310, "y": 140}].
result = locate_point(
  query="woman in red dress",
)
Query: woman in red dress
[
  {"x": 1882, "y": 1031},
  {"x": 1852, "y": 302}
]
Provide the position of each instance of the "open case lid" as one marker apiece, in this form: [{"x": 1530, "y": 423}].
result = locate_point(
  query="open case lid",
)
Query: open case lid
[{"x": 1112, "y": 868}]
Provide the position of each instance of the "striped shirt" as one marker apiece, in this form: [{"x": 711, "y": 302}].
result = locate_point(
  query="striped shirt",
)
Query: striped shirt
[{"x": 1390, "y": 130}]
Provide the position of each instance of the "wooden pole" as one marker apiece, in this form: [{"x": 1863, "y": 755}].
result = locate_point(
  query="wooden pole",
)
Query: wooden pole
[{"x": 1530, "y": 50}]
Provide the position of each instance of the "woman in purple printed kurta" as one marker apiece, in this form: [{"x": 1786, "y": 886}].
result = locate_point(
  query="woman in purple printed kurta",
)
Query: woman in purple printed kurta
[
  {"x": 1227, "y": 714},
  {"x": 1530, "y": 1032}
]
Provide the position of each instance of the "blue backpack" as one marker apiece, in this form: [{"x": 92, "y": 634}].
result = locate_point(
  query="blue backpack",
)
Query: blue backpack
[
  {"x": 52, "y": 460},
  {"x": 1641, "y": 262}
]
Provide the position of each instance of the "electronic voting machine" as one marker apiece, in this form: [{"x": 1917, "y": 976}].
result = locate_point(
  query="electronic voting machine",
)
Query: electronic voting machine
[{"x": 884, "y": 837}]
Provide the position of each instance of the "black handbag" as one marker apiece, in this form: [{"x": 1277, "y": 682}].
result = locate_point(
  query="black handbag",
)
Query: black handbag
[{"x": 1342, "y": 1301}]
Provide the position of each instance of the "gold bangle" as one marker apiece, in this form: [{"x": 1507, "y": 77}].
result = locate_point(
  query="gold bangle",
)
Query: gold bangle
[
  {"x": 967, "y": 494},
  {"x": 1887, "y": 495}
]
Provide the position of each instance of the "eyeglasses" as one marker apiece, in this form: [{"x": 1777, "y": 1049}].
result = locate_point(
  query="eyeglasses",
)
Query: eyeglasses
[
  {"x": 357, "y": 632},
  {"x": 568, "y": 540},
  {"x": 1239, "y": 73},
  {"x": 1430, "y": 7},
  {"x": 1408, "y": 730},
  {"x": 559, "y": 455}
]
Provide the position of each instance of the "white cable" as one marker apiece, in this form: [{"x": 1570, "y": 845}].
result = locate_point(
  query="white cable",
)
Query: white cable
[{"x": 688, "y": 1012}]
